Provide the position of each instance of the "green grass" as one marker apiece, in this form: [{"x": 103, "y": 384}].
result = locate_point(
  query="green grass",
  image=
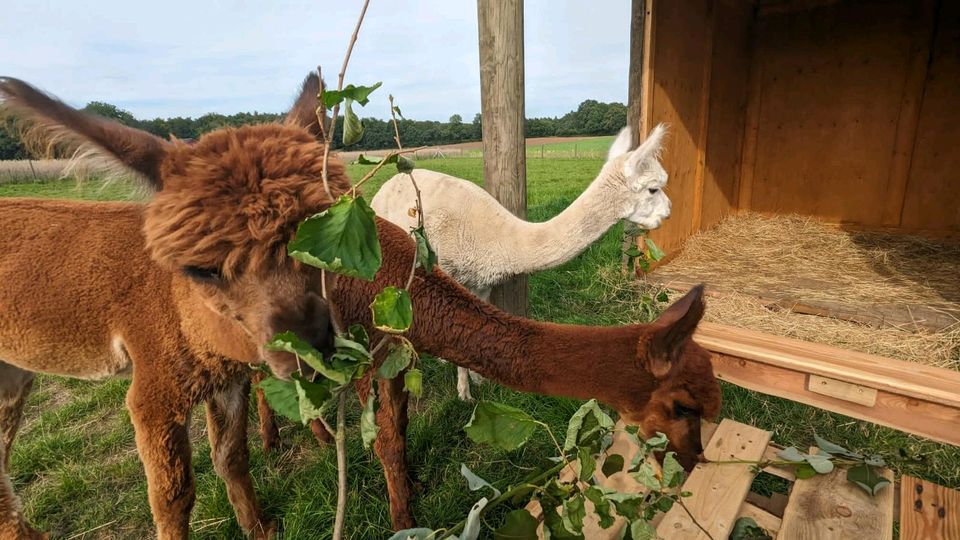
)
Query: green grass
[{"x": 76, "y": 466}]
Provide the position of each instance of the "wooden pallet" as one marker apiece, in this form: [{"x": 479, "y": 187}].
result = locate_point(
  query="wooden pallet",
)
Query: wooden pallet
[{"x": 823, "y": 507}]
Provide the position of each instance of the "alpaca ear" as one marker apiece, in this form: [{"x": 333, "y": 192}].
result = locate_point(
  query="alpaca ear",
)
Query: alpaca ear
[
  {"x": 666, "y": 336},
  {"x": 621, "y": 145},
  {"x": 303, "y": 113},
  {"x": 51, "y": 123},
  {"x": 650, "y": 149}
]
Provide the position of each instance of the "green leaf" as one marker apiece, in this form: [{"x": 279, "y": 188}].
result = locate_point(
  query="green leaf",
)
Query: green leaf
[
  {"x": 426, "y": 258},
  {"x": 392, "y": 310},
  {"x": 820, "y": 463},
  {"x": 641, "y": 529},
  {"x": 501, "y": 425},
  {"x": 360, "y": 94},
  {"x": 472, "y": 528},
  {"x": 291, "y": 343},
  {"x": 632, "y": 251},
  {"x": 396, "y": 361},
  {"x": 673, "y": 473},
  {"x": 352, "y": 126},
  {"x": 342, "y": 239},
  {"x": 474, "y": 482},
  {"x": 368, "y": 419},
  {"x": 627, "y": 504},
  {"x": 364, "y": 160},
  {"x": 282, "y": 397},
  {"x": 612, "y": 464},
  {"x": 791, "y": 453},
  {"x": 834, "y": 449},
  {"x": 519, "y": 525},
  {"x": 646, "y": 476},
  {"x": 662, "y": 297},
  {"x": 643, "y": 263},
  {"x": 664, "y": 504},
  {"x": 418, "y": 533},
  {"x": 657, "y": 443},
  {"x": 312, "y": 397},
  {"x": 653, "y": 251},
  {"x": 586, "y": 425},
  {"x": 573, "y": 513},
  {"x": 358, "y": 334},
  {"x": 588, "y": 464},
  {"x": 553, "y": 524},
  {"x": 413, "y": 382},
  {"x": 397, "y": 109},
  {"x": 867, "y": 479},
  {"x": 804, "y": 471},
  {"x": 405, "y": 164},
  {"x": 747, "y": 529},
  {"x": 601, "y": 506}
]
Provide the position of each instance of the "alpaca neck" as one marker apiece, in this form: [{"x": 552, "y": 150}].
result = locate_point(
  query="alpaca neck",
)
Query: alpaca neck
[{"x": 541, "y": 246}]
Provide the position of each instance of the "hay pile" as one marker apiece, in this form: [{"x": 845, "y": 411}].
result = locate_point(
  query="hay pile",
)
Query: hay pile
[{"x": 800, "y": 258}]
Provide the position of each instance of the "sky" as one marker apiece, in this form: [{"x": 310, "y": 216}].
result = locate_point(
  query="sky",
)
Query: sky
[{"x": 187, "y": 58}]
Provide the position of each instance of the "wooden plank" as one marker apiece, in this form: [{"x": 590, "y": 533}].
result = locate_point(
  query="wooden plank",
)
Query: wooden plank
[
  {"x": 702, "y": 123},
  {"x": 764, "y": 519},
  {"x": 832, "y": 82},
  {"x": 828, "y": 507},
  {"x": 928, "y": 511},
  {"x": 718, "y": 490},
  {"x": 932, "y": 197},
  {"x": 500, "y": 25},
  {"x": 634, "y": 97},
  {"x": 842, "y": 390},
  {"x": 775, "y": 504},
  {"x": 728, "y": 98},
  {"x": 677, "y": 83},
  {"x": 895, "y": 377},
  {"x": 751, "y": 131},
  {"x": 911, "y": 415},
  {"x": 909, "y": 118}
]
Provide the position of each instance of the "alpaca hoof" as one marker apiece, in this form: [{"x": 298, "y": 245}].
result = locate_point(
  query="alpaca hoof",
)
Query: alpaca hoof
[{"x": 465, "y": 396}]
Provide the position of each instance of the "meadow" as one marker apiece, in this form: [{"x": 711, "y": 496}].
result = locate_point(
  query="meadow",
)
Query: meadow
[{"x": 76, "y": 467}]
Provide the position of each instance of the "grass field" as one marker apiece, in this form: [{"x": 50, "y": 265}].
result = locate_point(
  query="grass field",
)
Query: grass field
[{"x": 75, "y": 462}]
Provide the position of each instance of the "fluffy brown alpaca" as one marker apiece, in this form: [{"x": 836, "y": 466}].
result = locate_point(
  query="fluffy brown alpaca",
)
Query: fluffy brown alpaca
[{"x": 181, "y": 292}]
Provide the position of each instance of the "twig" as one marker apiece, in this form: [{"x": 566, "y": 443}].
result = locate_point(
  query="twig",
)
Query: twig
[
  {"x": 380, "y": 165},
  {"x": 321, "y": 109},
  {"x": 341, "y": 441},
  {"x": 336, "y": 108}
]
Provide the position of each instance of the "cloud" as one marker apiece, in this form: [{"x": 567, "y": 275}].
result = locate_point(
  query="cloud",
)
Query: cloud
[{"x": 187, "y": 58}]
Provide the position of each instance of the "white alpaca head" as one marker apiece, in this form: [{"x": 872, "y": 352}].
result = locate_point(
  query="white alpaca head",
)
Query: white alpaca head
[{"x": 645, "y": 203}]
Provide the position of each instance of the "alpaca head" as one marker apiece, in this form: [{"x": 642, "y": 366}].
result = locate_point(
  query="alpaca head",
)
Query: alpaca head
[
  {"x": 684, "y": 387},
  {"x": 640, "y": 177},
  {"x": 221, "y": 215}
]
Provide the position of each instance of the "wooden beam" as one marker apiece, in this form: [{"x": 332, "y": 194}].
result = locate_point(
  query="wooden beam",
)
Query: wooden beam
[
  {"x": 502, "y": 114},
  {"x": 703, "y": 121},
  {"x": 718, "y": 489},
  {"x": 928, "y": 511},
  {"x": 634, "y": 93},
  {"x": 829, "y": 507},
  {"x": 751, "y": 128},
  {"x": 910, "y": 397}
]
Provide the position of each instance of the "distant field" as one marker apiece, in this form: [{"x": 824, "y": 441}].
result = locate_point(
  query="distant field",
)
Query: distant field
[{"x": 75, "y": 462}]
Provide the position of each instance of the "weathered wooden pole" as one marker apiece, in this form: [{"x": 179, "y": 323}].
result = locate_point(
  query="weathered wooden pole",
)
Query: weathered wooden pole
[
  {"x": 502, "y": 112},
  {"x": 634, "y": 89}
]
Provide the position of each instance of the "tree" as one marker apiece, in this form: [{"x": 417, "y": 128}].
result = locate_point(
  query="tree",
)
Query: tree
[
  {"x": 456, "y": 120},
  {"x": 113, "y": 112}
]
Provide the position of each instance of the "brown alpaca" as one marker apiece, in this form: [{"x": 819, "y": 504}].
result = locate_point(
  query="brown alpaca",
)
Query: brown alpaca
[
  {"x": 654, "y": 375},
  {"x": 181, "y": 292}
]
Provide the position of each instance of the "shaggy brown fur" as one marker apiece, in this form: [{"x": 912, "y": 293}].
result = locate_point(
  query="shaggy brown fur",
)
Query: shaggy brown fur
[{"x": 80, "y": 297}]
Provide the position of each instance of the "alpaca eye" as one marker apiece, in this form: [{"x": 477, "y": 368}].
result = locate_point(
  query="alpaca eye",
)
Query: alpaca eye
[
  {"x": 681, "y": 411},
  {"x": 204, "y": 275},
  {"x": 653, "y": 190}
]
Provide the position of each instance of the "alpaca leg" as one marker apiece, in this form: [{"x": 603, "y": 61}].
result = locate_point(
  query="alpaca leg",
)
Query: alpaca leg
[
  {"x": 269, "y": 433},
  {"x": 227, "y": 429},
  {"x": 463, "y": 384},
  {"x": 160, "y": 414},
  {"x": 15, "y": 385},
  {"x": 391, "y": 448}
]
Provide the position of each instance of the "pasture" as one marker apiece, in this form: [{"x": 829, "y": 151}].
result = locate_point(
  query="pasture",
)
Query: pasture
[{"x": 76, "y": 467}]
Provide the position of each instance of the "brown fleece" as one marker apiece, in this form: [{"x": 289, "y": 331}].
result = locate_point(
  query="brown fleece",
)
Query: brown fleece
[{"x": 180, "y": 292}]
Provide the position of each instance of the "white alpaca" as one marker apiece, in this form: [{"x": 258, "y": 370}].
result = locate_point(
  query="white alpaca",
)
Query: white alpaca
[{"x": 481, "y": 244}]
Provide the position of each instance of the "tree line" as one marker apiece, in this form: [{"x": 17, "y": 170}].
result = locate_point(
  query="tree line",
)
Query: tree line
[{"x": 590, "y": 118}]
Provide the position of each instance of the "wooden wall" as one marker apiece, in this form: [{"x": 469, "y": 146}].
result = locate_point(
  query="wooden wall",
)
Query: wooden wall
[{"x": 843, "y": 109}]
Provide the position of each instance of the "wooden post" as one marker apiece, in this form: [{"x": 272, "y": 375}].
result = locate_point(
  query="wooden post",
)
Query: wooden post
[
  {"x": 634, "y": 91},
  {"x": 502, "y": 108}
]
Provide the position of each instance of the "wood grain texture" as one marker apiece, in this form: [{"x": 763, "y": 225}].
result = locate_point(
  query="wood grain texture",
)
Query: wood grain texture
[
  {"x": 831, "y": 89},
  {"x": 500, "y": 25},
  {"x": 828, "y": 507},
  {"x": 679, "y": 52},
  {"x": 933, "y": 190},
  {"x": 718, "y": 489},
  {"x": 928, "y": 511}
]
